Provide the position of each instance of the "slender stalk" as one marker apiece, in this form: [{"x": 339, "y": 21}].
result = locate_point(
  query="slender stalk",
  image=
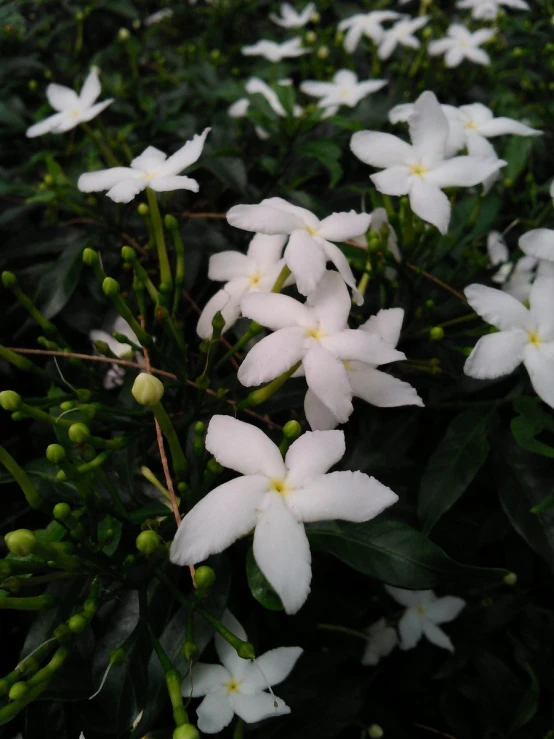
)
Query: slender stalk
[
  {"x": 23, "y": 480},
  {"x": 165, "y": 268},
  {"x": 264, "y": 393},
  {"x": 180, "y": 464},
  {"x": 106, "y": 152}
]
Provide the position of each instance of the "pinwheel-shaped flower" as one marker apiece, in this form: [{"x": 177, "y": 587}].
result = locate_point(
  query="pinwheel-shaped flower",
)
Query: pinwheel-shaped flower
[
  {"x": 255, "y": 271},
  {"x": 290, "y": 18},
  {"x": 401, "y": 33},
  {"x": 275, "y": 498},
  {"x": 309, "y": 247},
  {"x": 151, "y": 169},
  {"x": 238, "y": 686},
  {"x": 420, "y": 169},
  {"x": 365, "y": 24},
  {"x": 487, "y": 10},
  {"x": 275, "y": 52},
  {"x": 524, "y": 335},
  {"x": 71, "y": 108},
  {"x": 460, "y": 43},
  {"x": 424, "y": 611},
  {"x": 343, "y": 90}
]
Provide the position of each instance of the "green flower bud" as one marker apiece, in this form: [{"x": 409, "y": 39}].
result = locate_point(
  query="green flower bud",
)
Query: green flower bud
[
  {"x": 204, "y": 577},
  {"x": 19, "y": 416},
  {"x": 48, "y": 180},
  {"x": 148, "y": 542},
  {"x": 189, "y": 650},
  {"x": 436, "y": 333},
  {"x": 55, "y": 453},
  {"x": 142, "y": 209},
  {"x": 128, "y": 254},
  {"x": 123, "y": 34},
  {"x": 21, "y": 542},
  {"x": 182, "y": 488},
  {"x": 84, "y": 394},
  {"x": 310, "y": 37},
  {"x": 79, "y": 16},
  {"x": 315, "y": 18},
  {"x": 9, "y": 279},
  {"x": 218, "y": 323},
  {"x": 61, "y": 511},
  {"x": 375, "y": 731},
  {"x": 61, "y": 476},
  {"x": 186, "y": 731},
  {"x": 111, "y": 287},
  {"x": 117, "y": 656},
  {"x": 171, "y": 223},
  {"x": 246, "y": 651},
  {"x": 32, "y": 85},
  {"x": 510, "y": 578},
  {"x": 78, "y": 433},
  {"x": 430, "y": 303},
  {"x": 62, "y": 633},
  {"x": 214, "y": 467},
  {"x": 90, "y": 606},
  {"x": 147, "y": 389},
  {"x": 199, "y": 428},
  {"x": 129, "y": 560},
  {"x": 10, "y": 400},
  {"x": 67, "y": 405},
  {"x": 165, "y": 288},
  {"x": 90, "y": 257},
  {"x": 323, "y": 52},
  {"x": 292, "y": 430},
  {"x": 77, "y": 623},
  {"x": 18, "y": 690},
  {"x": 203, "y": 382}
]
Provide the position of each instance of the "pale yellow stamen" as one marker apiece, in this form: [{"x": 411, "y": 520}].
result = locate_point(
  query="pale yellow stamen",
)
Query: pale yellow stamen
[
  {"x": 75, "y": 113},
  {"x": 279, "y": 486},
  {"x": 347, "y": 364},
  {"x": 534, "y": 338},
  {"x": 255, "y": 279},
  {"x": 315, "y": 333},
  {"x": 233, "y": 686},
  {"x": 473, "y": 125},
  {"x": 418, "y": 169},
  {"x": 312, "y": 230},
  {"x": 421, "y": 610}
]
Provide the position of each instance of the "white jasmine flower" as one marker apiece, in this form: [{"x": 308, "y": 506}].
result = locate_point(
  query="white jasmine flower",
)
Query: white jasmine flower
[
  {"x": 479, "y": 120},
  {"x": 488, "y": 9},
  {"x": 382, "y": 639},
  {"x": 276, "y": 52},
  {"x": 158, "y": 16},
  {"x": 538, "y": 243},
  {"x": 151, "y": 169},
  {"x": 256, "y": 85},
  {"x": 401, "y": 33},
  {"x": 238, "y": 686},
  {"x": 420, "y": 170},
  {"x": 378, "y": 218},
  {"x": 424, "y": 611},
  {"x": 315, "y": 333},
  {"x": 116, "y": 374},
  {"x": 255, "y": 271},
  {"x": 456, "y": 139},
  {"x": 523, "y": 335},
  {"x": 365, "y": 24},
  {"x": 275, "y": 498},
  {"x": 460, "y": 43},
  {"x": 290, "y": 18},
  {"x": 71, "y": 108},
  {"x": 343, "y": 90},
  {"x": 309, "y": 247},
  {"x": 497, "y": 249},
  {"x": 366, "y": 382}
]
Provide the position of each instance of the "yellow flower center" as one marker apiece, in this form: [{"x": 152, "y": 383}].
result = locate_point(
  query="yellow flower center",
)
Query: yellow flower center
[
  {"x": 312, "y": 230},
  {"x": 347, "y": 364},
  {"x": 255, "y": 279},
  {"x": 421, "y": 610},
  {"x": 534, "y": 338},
  {"x": 315, "y": 333},
  {"x": 75, "y": 113},
  {"x": 279, "y": 486},
  {"x": 418, "y": 169},
  {"x": 233, "y": 686},
  {"x": 473, "y": 125},
  {"x": 344, "y": 92}
]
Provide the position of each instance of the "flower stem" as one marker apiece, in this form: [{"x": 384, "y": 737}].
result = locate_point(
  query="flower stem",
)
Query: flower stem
[
  {"x": 264, "y": 393},
  {"x": 180, "y": 464},
  {"x": 281, "y": 279},
  {"x": 165, "y": 268},
  {"x": 23, "y": 480},
  {"x": 106, "y": 152}
]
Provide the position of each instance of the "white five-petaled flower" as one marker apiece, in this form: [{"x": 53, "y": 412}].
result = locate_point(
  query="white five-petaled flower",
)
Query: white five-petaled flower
[
  {"x": 424, "y": 611},
  {"x": 309, "y": 247},
  {"x": 366, "y": 381},
  {"x": 151, "y": 169},
  {"x": 257, "y": 86},
  {"x": 275, "y": 52},
  {"x": 420, "y": 169},
  {"x": 71, "y": 108},
  {"x": 255, "y": 271},
  {"x": 365, "y": 24},
  {"x": 275, "y": 498},
  {"x": 290, "y": 18},
  {"x": 401, "y": 33},
  {"x": 524, "y": 335},
  {"x": 238, "y": 686},
  {"x": 115, "y": 375},
  {"x": 343, "y": 90},
  {"x": 381, "y": 640},
  {"x": 316, "y": 334},
  {"x": 460, "y": 43},
  {"x": 487, "y": 10}
]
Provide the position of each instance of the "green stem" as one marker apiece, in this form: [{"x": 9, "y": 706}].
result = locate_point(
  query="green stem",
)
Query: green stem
[
  {"x": 173, "y": 225},
  {"x": 343, "y": 630},
  {"x": 165, "y": 268},
  {"x": 281, "y": 279},
  {"x": 544, "y": 504},
  {"x": 264, "y": 393},
  {"x": 21, "y": 362},
  {"x": 34, "y": 603},
  {"x": 23, "y": 480},
  {"x": 180, "y": 464},
  {"x": 253, "y": 330},
  {"x": 96, "y": 137}
]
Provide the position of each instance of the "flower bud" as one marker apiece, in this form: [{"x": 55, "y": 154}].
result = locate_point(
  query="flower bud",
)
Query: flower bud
[
  {"x": 142, "y": 209},
  {"x": 436, "y": 333},
  {"x": 186, "y": 731},
  {"x": 323, "y": 52},
  {"x": 189, "y": 650},
  {"x": 165, "y": 288},
  {"x": 9, "y": 279},
  {"x": 315, "y": 18},
  {"x": 310, "y": 37},
  {"x": 55, "y": 453},
  {"x": 90, "y": 257},
  {"x": 10, "y": 400},
  {"x": 77, "y": 623},
  {"x": 148, "y": 542},
  {"x": 292, "y": 430},
  {"x": 62, "y": 633},
  {"x": 375, "y": 731},
  {"x": 147, "y": 389},
  {"x": 117, "y": 656},
  {"x": 32, "y": 85},
  {"x": 128, "y": 254},
  {"x": 246, "y": 651},
  {"x": 199, "y": 428},
  {"x": 204, "y": 577},
  {"x": 171, "y": 223},
  {"x": 21, "y": 542},
  {"x": 18, "y": 690},
  {"x": 218, "y": 323},
  {"x": 510, "y": 578},
  {"x": 214, "y": 467},
  {"x": 123, "y": 34},
  {"x": 203, "y": 382},
  {"x": 78, "y": 433},
  {"x": 111, "y": 287},
  {"x": 61, "y": 511}
]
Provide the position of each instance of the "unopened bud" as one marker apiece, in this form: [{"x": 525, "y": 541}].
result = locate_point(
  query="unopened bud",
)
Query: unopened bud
[
  {"x": 310, "y": 37},
  {"x": 436, "y": 333},
  {"x": 204, "y": 577},
  {"x": 123, "y": 34},
  {"x": 78, "y": 433},
  {"x": 323, "y": 52},
  {"x": 510, "y": 578},
  {"x": 21, "y": 542},
  {"x": 111, "y": 287},
  {"x": 10, "y": 400},
  {"x": 18, "y": 690},
  {"x": 292, "y": 430},
  {"x": 246, "y": 650},
  {"x": 375, "y": 731},
  {"x": 186, "y": 731},
  {"x": 148, "y": 542},
  {"x": 128, "y": 254},
  {"x": 189, "y": 650},
  {"x": 55, "y": 453},
  {"x": 90, "y": 256},
  {"x": 147, "y": 389},
  {"x": 142, "y": 209},
  {"x": 9, "y": 279},
  {"x": 61, "y": 511},
  {"x": 77, "y": 623},
  {"x": 171, "y": 223},
  {"x": 218, "y": 323}
]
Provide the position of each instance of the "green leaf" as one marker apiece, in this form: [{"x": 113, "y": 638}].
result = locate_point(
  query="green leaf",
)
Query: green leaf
[
  {"x": 229, "y": 170},
  {"x": 528, "y": 705},
  {"x": 59, "y": 283},
  {"x": 259, "y": 586},
  {"x": 453, "y": 465},
  {"x": 516, "y": 154},
  {"x": 327, "y": 153},
  {"x": 394, "y": 553},
  {"x": 530, "y": 422}
]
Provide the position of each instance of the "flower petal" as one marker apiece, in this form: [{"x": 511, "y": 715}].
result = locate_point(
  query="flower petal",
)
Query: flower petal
[
  {"x": 46, "y": 126},
  {"x": 410, "y": 598},
  {"x": 428, "y": 128},
  {"x": 539, "y": 362},
  {"x": 282, "y": 552},
  {"x": 497, "y": 308},
  {"x": 125, "y": 191},
  {"x": 387, "y": 324},
  {"x": 253, "y": 708},
  {"x": 430, "y": 203},
  {"x": 262, "y": 219},
  {"x": 186, "y": 155},
  {"x": 227, "y": 265},
  {"x": 224, "y": 515},
  {"x": 174, "y": 182},
  {"x": 331, "y": 303},
  {"x": 393, "y": 180},
  {"x": 381, "y": 150},
  {"x": 90, "y": 90},
  {"x": 227, "y": 302},
  {"x": 328, "y": 379},
  {"x": 313, "y": 454},
  {"x": 276, "y": 311},
  {"x": 150, "y": 159},
  {"x": 503, "y": 126},
  {"x": 436, "y": 635},
  {"x": 244, "y": 448},
  {"x": 306, "y": 260},
  {"x": 104, "y": 179},
  {"x": 541, "y": 301},
  {"x": 89, "y": 113},
  {"x": 272, "y": 356},
  {"x": 445, "y": 609},
  {"x": 266, "y": 250},
  {"x": 214, "y": 713},
  {"x": 496, "y": 355},
  {"x": 305, "y": 216},
  {"x": 463, "y": 171},
  {"x": 271, "y": 668},
  {"x": 318, "y": 415},
  {"x": 538, "y": 243},
  {"x": 381, "y": 389},
  {"x": 204, "y": 679},
  {"x": 410, "y": 628},
  {"x": 357, "y": 345},
  {"x": 61, "y": 98},
  {"x": 337, "y": 258},
  {"x": 237, "y": 667},
  {"x": 344, "y": 226}
]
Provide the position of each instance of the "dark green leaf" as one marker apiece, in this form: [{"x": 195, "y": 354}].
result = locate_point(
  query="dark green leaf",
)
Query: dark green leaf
[{"x": 259, "y": 586}]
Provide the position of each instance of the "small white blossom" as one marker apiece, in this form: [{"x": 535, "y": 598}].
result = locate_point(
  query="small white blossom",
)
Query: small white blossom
[
  {"x": 238, "y": 686},
  {"x": 497, "y": 249},
  {"x": 71, "y": 108},
  {"x": 381, "y": 640},
  {"x": 116, "y": 374},
  {"x": 275, "y": 498},
  {"x": 289, "y": 18},
  {"x": 343, "y": 90},
  {"x": 401, "y": 33},
  {"x": 151, "y": 169},
  {"x": 275, "y": 52},
  {"x": 424, "y": 611},
  {"x": 460, "y": 43},
  {"x": 365, "y": 24},
  {"x": 524, "y": 335},
  {"x": 257, "y": 86},
  {"x": 158, "y": 16},
  {"x": 487, "y": 10}
]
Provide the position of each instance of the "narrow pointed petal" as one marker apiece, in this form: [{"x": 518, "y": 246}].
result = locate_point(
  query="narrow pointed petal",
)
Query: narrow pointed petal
[
  {"x": 503, "y": 126},
  {"x": 380, "y": 149},
  {"x": 204, "y": 679},
  {"x": 344, "y": 226},
  {"x": 539, "y": 362},
  {"x": 150, "y": 159},
  {"x": 317, "y": 89},
  {"x": 409, "y": 598},
  {"x": 306, "y": 260},
  {"x": 496, "y": 355},
  {"x": 253, "y": 708},
  {"x": 429, "y": 203},
  {"x": 387, "y": 324},
  {"x": 174, "y": 182},
  {"x": 266, "y": 250},
  {"x": 328, "y": 379},
  {"x": 271, "y": 668},
  {"x": 318, "y": 415},
  {"x": 313, "y": 454},
  {"x": 410, "y": 628},
  {"x": 48, "y": 125},
  {"x": 104, "y": 179},
  {"x": 305, "y": 216},
  {"x": 357, "y": 345},
  {"x": 393, "y": 180},
  {"x": 244, "y": 448},
  {"x": 262, "y": 219},
  {"x": 428, "y": 128},
  {"x": 541, "y": 302},
  {"x": 272, "y": 356},
  {"x": 382, "y": 390},
  {"x": 89, "y": 113},
  {"x": 214, "y": 713},
  {"x": 186, "y": 155},
  {"x": 126, "y": 190},
  {"x": 223, "y": 516},
  {"x": 331, "y": 303},
  {"x": 275, "y": 311},
  {"x": 337, "y": 258},
  {"x": 282, "y": 552},
  {"x": 436, "y": 635},
  {"x": 227, "y": 265},
  {"x": 463, "y": 171},
  {"x": 497, "y": 308},
  {"x": 61, "y": 98},
  {"x": 538, "y": 243},
  {"x": 445, "y": 609},
  {"x": 227, "y": 302},
  {"x": 90, "y": 89}
]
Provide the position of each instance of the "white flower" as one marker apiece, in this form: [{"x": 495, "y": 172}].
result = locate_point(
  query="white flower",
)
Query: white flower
[
  {"x": 238, "y": 686},
  {"x": 523, "y": 335},
  {"x": 367, "y": 382},
  {"x": 316, "y": 334},
  {"x": 551, "y": 190},
  {"x": 116, "y": 374},
  {"x": 488, "y": 9},
  {"x": 401, "y": 33},
  {"x": 460, "y": 44},
  {"x": 365, "y": 24},
  {"x": 158, "y": 16},
  {"x": 497, "y": 249},
  {"x": 382, "y": 639},
  {"x": 151, "y": 169},
  {"x": 255, "y": 85},
  {"x": 309, "y": 247},
  {"x": 290, "y": 18},
  {"x": 71, "y": 108},
  {"x": 275, "y": 498},
  {"x": 479, "y": 120},
  {"x": 343, "y": 90},
  {"x": 420, "y": 170},
  {"x": 276, "y": 52},
  {"x": 423, "y": 612},
  {"x": 455, "y": 141},
  {"x": 255, "y": 271}
]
